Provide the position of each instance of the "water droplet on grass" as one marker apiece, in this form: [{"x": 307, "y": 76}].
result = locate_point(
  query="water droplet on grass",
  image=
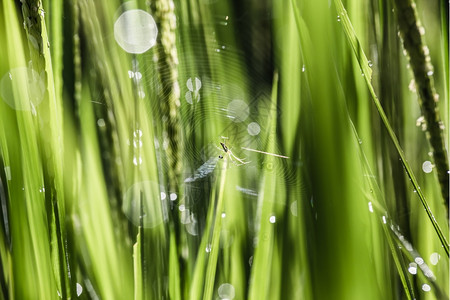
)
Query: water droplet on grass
[
  {"x": 137, "y": 133},
  {"x": 427, "y": 166},
  {"x": 420, "y": 120},
  {"x": 293, "y": 208},
  {"x": 137, "y": 143},
  {"x": 226, "y": 291},
  {"x": 412, "y": 86},
  {"x": 194, "y": 84},
  {"x": 173, "y": 196},
  {"x": 426, "y": 287},
  {"x": 272, "y": 219},
  {"x": 370, "y": 207},
  {"x": 79, "y": 289},
  {"x": 135, "y": 31},
  {"x": 208, "y": 248},
  {"x": 434, "y": 258},
  {"x": 137, "y": 161},
  {"x": 412, "y": 268},
  {"x": 419, "y": 260},
  {"x": 101, "y": 123}
]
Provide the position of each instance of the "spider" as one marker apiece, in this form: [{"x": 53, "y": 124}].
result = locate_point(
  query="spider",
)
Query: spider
[{"x": 230, "y": 154}]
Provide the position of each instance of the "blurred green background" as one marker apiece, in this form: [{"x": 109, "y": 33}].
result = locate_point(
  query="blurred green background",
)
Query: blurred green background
[{"x": 220, "y": 149}]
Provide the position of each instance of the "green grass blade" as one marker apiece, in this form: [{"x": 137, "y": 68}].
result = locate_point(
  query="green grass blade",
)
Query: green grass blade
[
  {"x": 263, "y": 260},
  {"x": 213, "y": 255},
  {"x": 137, "y": 263},
  {"x": 366, "y": 70}
]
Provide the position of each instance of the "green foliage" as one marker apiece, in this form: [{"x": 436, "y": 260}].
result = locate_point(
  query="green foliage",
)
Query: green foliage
[{"x": 255, "y": 150}]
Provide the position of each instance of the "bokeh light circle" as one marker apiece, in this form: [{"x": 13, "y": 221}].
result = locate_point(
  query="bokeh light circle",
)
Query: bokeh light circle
[{"x": 135, "y": 31}]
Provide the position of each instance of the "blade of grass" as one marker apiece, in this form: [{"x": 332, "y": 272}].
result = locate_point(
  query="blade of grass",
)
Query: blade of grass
[
  {"x": 262, "y": 260},
  {"x": 137, "y": 263},
  {"x": 213, "y": 255},
  {"x": 378, "y": 201},
  {"x": 367, "y": 71}
]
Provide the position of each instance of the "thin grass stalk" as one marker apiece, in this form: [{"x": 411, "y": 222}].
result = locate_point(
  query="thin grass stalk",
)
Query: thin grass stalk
[
  {"x": 419, "y": 59},
  {"x": 137, "y": 264},
  {"x": 215, "y": 247},
  {"x": 367, "y": 71}
]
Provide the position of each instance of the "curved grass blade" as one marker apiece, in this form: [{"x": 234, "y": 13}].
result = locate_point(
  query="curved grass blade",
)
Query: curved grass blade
[{"x": 363, "y": 62}]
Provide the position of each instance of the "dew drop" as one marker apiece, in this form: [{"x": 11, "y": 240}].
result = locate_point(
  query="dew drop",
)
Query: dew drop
[
  {"x": 426, "y": 287},
  {"x": 208, "y": 248},
  {"x": 138, "y": 75},
  {"x": 412, "y": 86},
  {"x": 272, "y": 219},
  {"x": 141, "y": 94},
  {"x": 419, "y": 260},
  {"x": 173, "y": 196},
  {"x": 137, "y": 143},
  {"x": 101, "y": 123},
  {"x": 137, "y": 160},
  {"x": 223, "y": 215},
  {"x": 420, "y": 120},
  {"x": 430, "y": 73},
  {"x": 427, "y": 166},
  {"x": 137, "y": 133},
  {"x": 194, "y": 84},
  {"x": 370, "y": 207},
  {"x": 79, "y": 289},
  {"x": 226, "y": 291},
  {"x": 412, "y": 268},
  {"x": 293, "y": 208},
  {"x": 370, "y": 63},
  {"x": 434, "y": 258}
]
